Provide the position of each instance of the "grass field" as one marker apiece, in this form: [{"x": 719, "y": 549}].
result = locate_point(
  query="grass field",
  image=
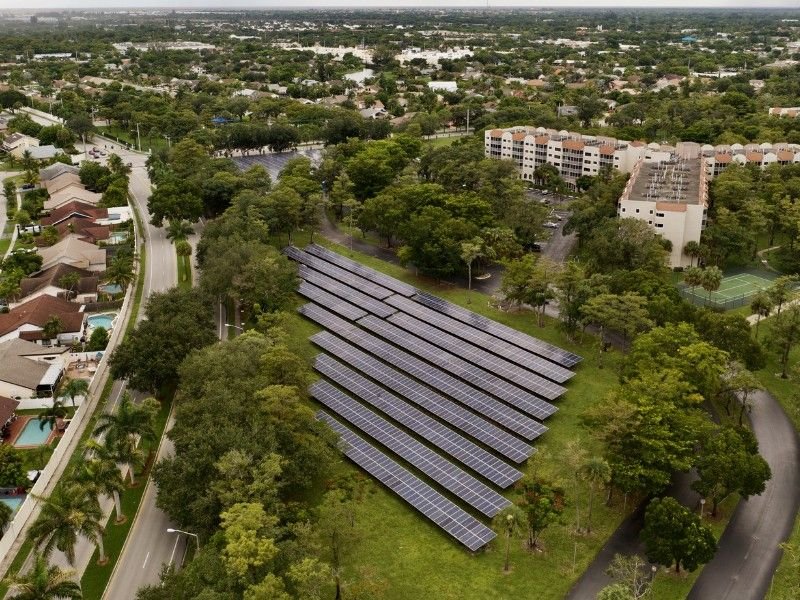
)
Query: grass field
[
  {"x": 184, "y": 272},
  {"x": 417, "y": 560}
]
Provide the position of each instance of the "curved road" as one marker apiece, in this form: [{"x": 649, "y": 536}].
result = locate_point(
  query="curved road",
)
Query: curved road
[{"x": 749, "y": 549}]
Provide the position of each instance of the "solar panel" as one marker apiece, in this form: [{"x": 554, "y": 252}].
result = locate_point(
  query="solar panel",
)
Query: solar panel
[
  {"x": 527, "y": 342},
  {"x": 480, "y": 378},
  {"x": 450, "y": 412},
  {"x": 390, "y": 283},
  {"x": 338, "y": 288},
  {"x": 454, "y": 387},
  {"x": 481, "y": 339},
  {"x": 494, "y": 364},
  {"x": 451, "y": 518},
  {"x": 363, "y": 285},
  {"x": 330, "y": 301},
  {"x": 425, "y": 427},
  {"x": 445, "y": 473}
]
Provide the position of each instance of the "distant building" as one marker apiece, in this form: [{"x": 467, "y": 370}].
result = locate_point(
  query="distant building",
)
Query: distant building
[
  {"x": 779, "y": 111},
  {"x": 672, "y": 197},
  {"x": 443, "y": 86}
]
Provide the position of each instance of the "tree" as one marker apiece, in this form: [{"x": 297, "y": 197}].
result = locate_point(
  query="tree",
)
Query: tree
[
  {"x": 633, "y": 576},
  {"x": 98, "y": 340},
  {"x": 509, "y": 522},
  {"x": 69, "y": 281},
  {"x": 615, "y": 591},
  {"x": 174, "y": 200},
  {"x": 786, "y": 335},
  {"x": 693, "y": 276},
  {"x": 470, "y": 251},
  {"x": 674, "y": 535},
  {"x": 625, "y": 314},
  {"x": 122, "y": 429},
  {"x": 781, "y": 290},
  {"x": 81, "y": 125},
  {"x": 52, "y": 328},
  {"x": 75, "y": 387},
  {"x": 101, "y": 474},
  {"x": 249, "y": 534},
  {"x": 543, "y": 504},
  {"x": 738, "y": 385},
  {"x": 339, "y": 531},
  {"x": 729, "y": 462},
  {"x": 6, "y": 516},
  {"x": 596, "y": 472},
  {"x": 12, "y": 467},
  {"x": 120, "y": 270},
  {"x": 712, "y": 278},
  {"x": 692, "y": 250},
  {"x": 383, "y": 213},
  {"x": 51, "y": 415},
  {"x": 761, "y": 305},
  {"x": 179, "y": 230},
  {"x": 43, "y": 582},
  {"x": 573, "y": 289},
  {"x": 529, "y": 280},
  {"x": 70, "y": 511}
]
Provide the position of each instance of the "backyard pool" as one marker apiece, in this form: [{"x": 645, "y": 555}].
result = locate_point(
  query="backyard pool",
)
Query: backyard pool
[
  {"x": 117, "y": 237},
  {"x": 110, "y": 288},
  {"x": 106, "y": 321},
  {"x": 12, "y": 502},
  {"x": 32, "y": 434}
]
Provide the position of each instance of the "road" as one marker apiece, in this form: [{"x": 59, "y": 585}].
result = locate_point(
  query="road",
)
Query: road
[{"x": 749, "y": 549}]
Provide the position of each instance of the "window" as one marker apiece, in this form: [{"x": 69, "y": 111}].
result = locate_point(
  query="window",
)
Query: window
[
  {"x": 659, "y": 225},
  {"x": 659, "y": 214},
  {"x": 637, "y": 211},
  {"x": 623, "y": 209},
  {"x": 651, "y": 211}
]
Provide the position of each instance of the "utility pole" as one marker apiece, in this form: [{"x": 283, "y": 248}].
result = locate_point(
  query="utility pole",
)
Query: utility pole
[{"x": 138, "y": 138}]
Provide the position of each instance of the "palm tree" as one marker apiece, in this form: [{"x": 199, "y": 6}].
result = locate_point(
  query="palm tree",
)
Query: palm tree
[
  {"x": 52, "y": 414},
  {"x": 70, "y": 511},
  {"x": 43, "y": 582},
  {"x": 117, "y": 166},
  {"x": 595, "y": 471},
  {"x": 75, "y": 387},
  {"x": 509, "y": 522},
  {"x": 712, "y": 279},
  {"x": 120, "y": 271},
  {"x": 692, "y": 250},
  {"x": 470, "y": 251},
  {"x": 179, "y": 230},
  {"x": 693, "y": 276},
  {"x": 102, "y": 475},
  {"x": 761, "y": 305},
  {"x": 123, "y": 427},
  {"x": 70, "y": 282}
]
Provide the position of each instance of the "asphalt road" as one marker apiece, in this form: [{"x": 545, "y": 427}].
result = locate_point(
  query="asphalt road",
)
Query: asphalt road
[{"x": 749, "y": 549}]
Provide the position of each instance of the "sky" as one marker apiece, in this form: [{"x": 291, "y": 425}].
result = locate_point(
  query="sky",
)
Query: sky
[{"x": 22, "y": 5}]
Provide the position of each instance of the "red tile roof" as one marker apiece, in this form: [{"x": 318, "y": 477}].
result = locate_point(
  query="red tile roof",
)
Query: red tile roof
[{"x": 36, "y": 312}]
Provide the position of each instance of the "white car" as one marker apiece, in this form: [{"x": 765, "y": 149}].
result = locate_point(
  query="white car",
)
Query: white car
[{"x": 550, "y": 225}]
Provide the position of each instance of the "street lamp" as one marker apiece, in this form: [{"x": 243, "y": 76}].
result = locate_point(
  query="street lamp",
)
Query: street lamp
[
  {"x": 194, "y": 535},
  {"x": 702, "y": 506}
]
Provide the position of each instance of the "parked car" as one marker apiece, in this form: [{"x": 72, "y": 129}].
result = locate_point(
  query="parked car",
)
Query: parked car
[
  {"x": 28, "y": 186},
  {"x": 551, "y": 225}
]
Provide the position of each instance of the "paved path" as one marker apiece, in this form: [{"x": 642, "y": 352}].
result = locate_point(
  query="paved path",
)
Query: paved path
[{"x": 749, "y": 549}]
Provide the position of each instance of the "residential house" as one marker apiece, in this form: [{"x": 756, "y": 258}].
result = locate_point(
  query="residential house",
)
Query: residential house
[
  {"x": 69, "y": 194},
  {"x": 443, "y": 86},
  {"x": 28, "y": 319},
  {"x": 60, "y": 181},
  {"x": 28, "y": 370},
  {"x": 74, "y": 210},
  {"x": 374, "y": 112},
  {"x": 73, "y": 251},
  {"x": 54, "y": 170},
  {"x": 8, "y": 408},
  {"x": 47, "y": 152},
  {"x": 17, "y": 143},
  {"x": 51, "y": 282}
]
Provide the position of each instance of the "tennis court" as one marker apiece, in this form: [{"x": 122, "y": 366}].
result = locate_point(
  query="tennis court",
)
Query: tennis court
[{"x": 735, "y": 290}]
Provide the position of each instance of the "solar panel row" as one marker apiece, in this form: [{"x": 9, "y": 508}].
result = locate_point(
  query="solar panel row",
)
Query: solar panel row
[
  {"x": 345, "y": 292},
  {"x": 381, "y": 279},
  {"x": 527, "y": 342},
  {"x": 467, "y": 395},
  {"x": 455, "y": 521},
  {"x": 480, "y": 378},
  {"x": 363, "y": 285},
  {"x": 425, "y": 427},
  {"x": 482, "y": 339},
  {"x": 330, "y": 301},
  {"x": 435, "y": 403},
  {"x": 494, "y": 364},
  {"x": 445, "y": 473}
]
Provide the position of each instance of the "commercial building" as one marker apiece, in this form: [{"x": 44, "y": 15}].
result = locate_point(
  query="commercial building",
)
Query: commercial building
[{"x": 672, "y": 197}]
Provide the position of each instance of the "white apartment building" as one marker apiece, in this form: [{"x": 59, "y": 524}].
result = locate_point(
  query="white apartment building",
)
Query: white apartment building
[
  {"x": 574, "y": 154},
  {"x": 672, "y": 196}
]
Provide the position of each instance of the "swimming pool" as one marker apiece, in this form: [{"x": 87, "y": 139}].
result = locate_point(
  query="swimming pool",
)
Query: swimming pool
[
  {"x": 117, "y": 237},
  {"x": 13, "y": 502},
  {"x": 106, "y": 321},
  {"x": 110, "y": 288},
  {"x": 32, "y": 434}
]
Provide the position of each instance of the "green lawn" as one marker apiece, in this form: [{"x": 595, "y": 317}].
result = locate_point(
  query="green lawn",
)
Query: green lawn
[
  {"x": 416, "y": 558},
  {"x": 113, "y": 131},
  {"x": 184, "y": 272}
]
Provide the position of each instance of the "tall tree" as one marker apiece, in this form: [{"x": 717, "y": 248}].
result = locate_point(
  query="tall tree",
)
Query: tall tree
[
  {"x": 786, "y": 335},
  {"x": 597, "y": 473},
  {"x": 51, "y": 415},
  {"x": 43, "y": 582},
  {"x": 509, "y": 522},
  {"x": 712, "y": 278},
  {"x": 339, "y": 531},
  {"x": 470, "y": 251},
  {"x": 761, "y": 306},
  {"x": 673, "y": 534},
  {"x": 101, "y": 474},
  {"x": 625, "y": 314},
  {"x": 543, "y": 503}
]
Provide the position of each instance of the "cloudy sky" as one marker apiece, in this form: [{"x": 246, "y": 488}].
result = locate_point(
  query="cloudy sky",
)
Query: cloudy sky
[{"x": 45, "y": 4}]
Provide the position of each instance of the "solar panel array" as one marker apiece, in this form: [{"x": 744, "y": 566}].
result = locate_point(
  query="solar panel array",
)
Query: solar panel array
[
  {"x": 390, "y": 283},
  {"x": 436, "y": 404},
  {"x": 426, "y": 379},
  {"x": 437, "y": 379},
  {"x": 337, "y": 305},
  {"x": 482, "y": 339},
  {"x": 554, "y": 353},
  {"x": 455, "y": 521},
  {"x": 480, "y": 378},
  {"x": 425, "y": 427},
  {"x": 480, "y": 358},
  {"x": 442, "y": 471}
]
